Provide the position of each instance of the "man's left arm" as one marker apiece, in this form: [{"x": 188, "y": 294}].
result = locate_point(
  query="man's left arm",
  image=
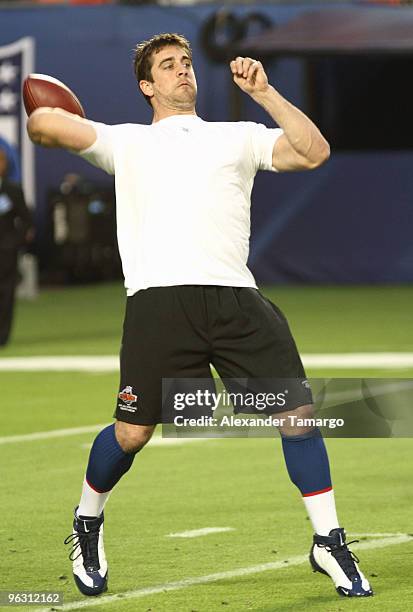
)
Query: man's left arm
[{"x": 302, "y": 146}]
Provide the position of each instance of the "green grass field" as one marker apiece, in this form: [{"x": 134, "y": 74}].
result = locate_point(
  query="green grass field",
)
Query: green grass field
[{"x": 237, "y": 483}]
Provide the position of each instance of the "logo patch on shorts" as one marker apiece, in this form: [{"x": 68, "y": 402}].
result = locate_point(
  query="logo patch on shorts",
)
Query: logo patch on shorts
[{"x": 128, "y": 399}]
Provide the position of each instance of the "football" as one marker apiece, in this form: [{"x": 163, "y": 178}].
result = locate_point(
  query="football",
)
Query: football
[{"x": 43, "y": 90}]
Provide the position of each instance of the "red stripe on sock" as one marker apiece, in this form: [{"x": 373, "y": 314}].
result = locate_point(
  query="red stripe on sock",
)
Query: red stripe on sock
[
  {"x": 316, "y": 492},
  {"x": 94, "y": 488}
]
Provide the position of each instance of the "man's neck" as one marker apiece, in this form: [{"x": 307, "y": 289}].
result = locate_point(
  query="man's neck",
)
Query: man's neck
[{"x": 163, "y": 113}]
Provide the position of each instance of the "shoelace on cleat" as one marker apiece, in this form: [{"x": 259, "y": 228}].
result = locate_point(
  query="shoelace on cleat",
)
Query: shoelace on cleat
[
  {"x": 344, "y": 557},
  {"x": 85, "y": 544}
]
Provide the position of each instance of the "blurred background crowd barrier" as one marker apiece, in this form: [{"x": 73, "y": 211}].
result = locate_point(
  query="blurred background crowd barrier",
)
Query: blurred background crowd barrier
[{"x": 347, "y": 66}]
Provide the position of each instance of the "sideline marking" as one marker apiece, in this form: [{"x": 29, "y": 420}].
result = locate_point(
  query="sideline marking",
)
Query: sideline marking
[
  {"x": 110, "y": 363},
  {"x": 195, "y": 533},
  {"x": 375, "y": 535},
  {"x": 54, "y": 433},
  {"x": 77, "y": 363},
  {"x": 74, "y": 431},
  {"x": 358, "y": 360},
  {"x": 237, "y": 573}
]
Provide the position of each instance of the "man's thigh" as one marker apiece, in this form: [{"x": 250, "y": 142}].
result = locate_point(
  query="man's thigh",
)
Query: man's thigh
[
  {"x": 257, "y": 352},
  {"x": 164, "y": 337}
]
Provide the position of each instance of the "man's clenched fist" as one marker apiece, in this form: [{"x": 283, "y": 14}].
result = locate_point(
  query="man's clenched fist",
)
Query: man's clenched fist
[{"x": 249, "y": 75}]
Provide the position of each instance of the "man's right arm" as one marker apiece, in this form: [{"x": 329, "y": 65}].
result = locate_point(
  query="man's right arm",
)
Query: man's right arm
[{"x": 55, "y": 127}]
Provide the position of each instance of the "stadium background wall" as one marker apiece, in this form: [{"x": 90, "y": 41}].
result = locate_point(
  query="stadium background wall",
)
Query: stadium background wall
[{"x": 347, "y": 222}]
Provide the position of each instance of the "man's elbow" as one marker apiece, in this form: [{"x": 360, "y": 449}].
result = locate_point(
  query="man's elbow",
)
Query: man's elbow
[{"x": 322, "y": 155}]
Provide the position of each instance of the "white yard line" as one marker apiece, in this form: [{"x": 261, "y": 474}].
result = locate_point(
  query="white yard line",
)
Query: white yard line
[
  {"x": 74, "y": 431},
  {"x": 358, "y": 360},
  {"x": 196, "y": 533},
  {"x": 236, "y": 573},
  {"x": 59, "y": 363},
  {"x": 110, "y": 363},
  {"x": 54, "y": 433},
  {"x": 375, "y": 535}
]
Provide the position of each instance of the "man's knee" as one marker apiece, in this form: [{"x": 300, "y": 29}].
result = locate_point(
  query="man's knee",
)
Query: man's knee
[
  {"x": 295, "y": 426},
  {"x": 133, "y": 437}
]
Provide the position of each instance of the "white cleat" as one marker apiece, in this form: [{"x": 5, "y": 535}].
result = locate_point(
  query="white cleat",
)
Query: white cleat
[
  {"x": 90, "y": 569},
  {"x": 330, "y": 555}
]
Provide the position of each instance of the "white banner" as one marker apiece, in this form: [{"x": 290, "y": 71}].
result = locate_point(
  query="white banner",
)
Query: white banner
[{"x": 16, "y": 62}]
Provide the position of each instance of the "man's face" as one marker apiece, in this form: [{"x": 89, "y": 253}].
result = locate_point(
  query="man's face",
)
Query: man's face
[
  {"x": 3, "y": 163},
  {"x": 174, "y": 84}
]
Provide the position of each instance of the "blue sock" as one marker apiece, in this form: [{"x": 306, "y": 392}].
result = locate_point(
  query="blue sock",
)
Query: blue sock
[
  {"x": 307, "y": 462},
  {"x": 108, "y": 462}
]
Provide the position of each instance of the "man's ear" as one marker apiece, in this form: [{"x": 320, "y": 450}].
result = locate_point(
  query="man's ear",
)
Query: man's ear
[{"x": 146, "y": 88}]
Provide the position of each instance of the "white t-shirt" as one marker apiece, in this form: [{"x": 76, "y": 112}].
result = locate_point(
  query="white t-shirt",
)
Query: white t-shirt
[{"x": 183, "y": 188}]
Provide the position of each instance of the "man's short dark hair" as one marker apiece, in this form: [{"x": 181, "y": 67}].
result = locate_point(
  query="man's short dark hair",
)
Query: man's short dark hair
[{"x": 145, "y": 51}]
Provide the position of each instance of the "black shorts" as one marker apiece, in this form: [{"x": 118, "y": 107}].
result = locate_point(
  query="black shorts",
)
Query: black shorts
[{"x": 177, "y": 332}]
